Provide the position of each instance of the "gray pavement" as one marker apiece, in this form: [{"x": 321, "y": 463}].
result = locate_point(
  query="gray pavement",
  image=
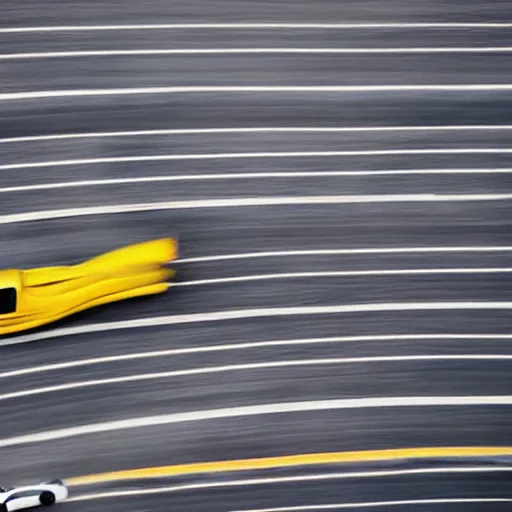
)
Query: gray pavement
[{"x": 207, "y": 232}]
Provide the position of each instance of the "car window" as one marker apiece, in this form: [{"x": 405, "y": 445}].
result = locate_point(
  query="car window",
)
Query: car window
[
  {"x": 7, "y": 300},
  {"x": 22, "y": 494}
]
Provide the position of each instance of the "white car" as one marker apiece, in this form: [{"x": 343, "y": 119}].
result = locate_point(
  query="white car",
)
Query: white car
[{"x": 43, "y": 494}]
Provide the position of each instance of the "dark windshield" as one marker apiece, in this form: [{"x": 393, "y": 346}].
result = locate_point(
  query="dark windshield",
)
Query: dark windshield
[{"x": 7, "y": 300}]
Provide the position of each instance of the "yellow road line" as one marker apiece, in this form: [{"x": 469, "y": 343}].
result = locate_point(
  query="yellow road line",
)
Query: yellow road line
[{"x": 293, "y": 460}]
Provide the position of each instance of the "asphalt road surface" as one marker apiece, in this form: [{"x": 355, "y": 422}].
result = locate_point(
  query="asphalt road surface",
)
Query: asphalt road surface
[{"x": 408, "y": 241}]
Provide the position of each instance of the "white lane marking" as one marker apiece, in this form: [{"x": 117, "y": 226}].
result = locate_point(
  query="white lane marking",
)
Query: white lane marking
[
  {"x": 256, "y": 26},
  {"x": 246, "y": 176},
  {"x": 260, "y": 129},
  {"x": 258, "y": 410},
  {"x": 216, "y": 89},
  {"x": 258, "y": 51},
  {"x": 292, "y": 479},
  {"x": 251, "y": 366},
  {"x": 333, "y": 252},
  {"x": 331, "y": 506},
  {"x": 245, "y": 346},
  {"x": 270, "y": 154},
  {"x": 238, "y": 314},
  {"x": 15, "y": 218},
  {"x": 344, "y": 273}
]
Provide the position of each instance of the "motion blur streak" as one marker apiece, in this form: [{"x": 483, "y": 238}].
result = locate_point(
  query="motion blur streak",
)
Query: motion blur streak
[
  {"x": 367, "y": 250},
  {"x": 248, "y": 176},
  {"x": 284, "y": 479},
  {"x": 215, "y": 89},
  {"x": 257, "y": 26},
  {"x": 309, "y": 459},
  {"x": 367, "y": 504},
  {"x": 245, "y": 202},
  {"x": 257, "y": 410},
  {"x": 238, "y": 51},
  {"x": 261, "y": 129},
  {"x": 347, "y": 273},
  {"x": 257, "y": 344},
  {"x": 276, "y": 154},
  {"x": 339, "y": 176},
  {"x": 252, "y": 366},
  {"x": 217, "y": 316}
]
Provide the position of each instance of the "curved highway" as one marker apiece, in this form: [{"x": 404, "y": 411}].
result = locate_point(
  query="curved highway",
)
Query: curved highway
[{"x": 339, "y": 176}]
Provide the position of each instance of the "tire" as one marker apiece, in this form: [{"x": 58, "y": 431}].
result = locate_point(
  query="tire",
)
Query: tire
[
  {"x": 3, "y": 507},
  {"x": 47, "y": 498}
]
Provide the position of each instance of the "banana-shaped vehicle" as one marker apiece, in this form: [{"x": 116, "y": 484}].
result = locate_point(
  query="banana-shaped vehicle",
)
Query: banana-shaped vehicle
[{"x": 35, "y": 297}]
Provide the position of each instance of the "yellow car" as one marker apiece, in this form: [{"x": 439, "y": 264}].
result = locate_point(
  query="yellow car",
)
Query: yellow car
[{"x": 35, "y": 297}]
